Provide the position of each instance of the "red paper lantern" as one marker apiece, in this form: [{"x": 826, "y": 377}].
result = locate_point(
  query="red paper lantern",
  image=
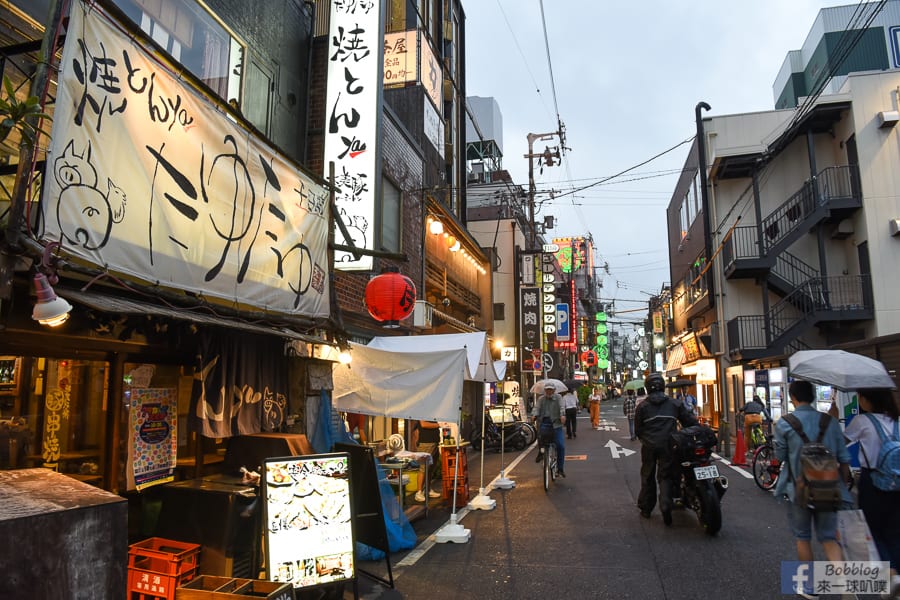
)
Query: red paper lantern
[
  {"x": 589, "y": 358},
  {"x": 390, "y": 297}
]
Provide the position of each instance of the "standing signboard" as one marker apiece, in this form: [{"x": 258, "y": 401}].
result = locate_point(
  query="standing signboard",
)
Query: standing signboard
[{"x": 308, "y": 525}]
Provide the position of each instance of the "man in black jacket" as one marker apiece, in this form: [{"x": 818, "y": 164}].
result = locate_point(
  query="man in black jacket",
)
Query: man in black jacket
[{"x": 655, "y": 420}]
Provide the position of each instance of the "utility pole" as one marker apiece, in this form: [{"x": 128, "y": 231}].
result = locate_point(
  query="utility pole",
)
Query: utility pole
[{"x": 548, "y": 157}]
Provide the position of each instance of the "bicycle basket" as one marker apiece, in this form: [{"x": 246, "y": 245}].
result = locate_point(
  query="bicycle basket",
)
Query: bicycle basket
[{"x": 545, "y": 432}]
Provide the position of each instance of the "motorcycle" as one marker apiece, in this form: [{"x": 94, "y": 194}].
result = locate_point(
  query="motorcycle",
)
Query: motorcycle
[
  {"x": 696, "y": 477},
  {"x": 516, "y": 435}
]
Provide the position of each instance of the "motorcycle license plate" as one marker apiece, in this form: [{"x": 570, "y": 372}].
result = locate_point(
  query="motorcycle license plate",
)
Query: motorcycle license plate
[{"x": 710, "y": 472}]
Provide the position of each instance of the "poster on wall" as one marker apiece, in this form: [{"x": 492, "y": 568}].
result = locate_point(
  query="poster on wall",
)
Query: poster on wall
[
  {"x": 152, "y": 439},
  {"x": 307, "y": 521}
]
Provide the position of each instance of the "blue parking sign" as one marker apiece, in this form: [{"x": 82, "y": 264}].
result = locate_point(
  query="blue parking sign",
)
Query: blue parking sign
[{"x": 563, "y": 329}]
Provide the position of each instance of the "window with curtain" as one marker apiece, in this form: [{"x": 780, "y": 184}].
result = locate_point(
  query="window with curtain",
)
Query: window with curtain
[{"x": 195, "y": 38}]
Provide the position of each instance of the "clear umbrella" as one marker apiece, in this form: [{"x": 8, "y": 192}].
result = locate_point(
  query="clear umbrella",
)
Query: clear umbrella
[
  {"x": 634, "y": 384},
  {"x": 845, "y": 371},
  {"x": 540, "y": 384}
]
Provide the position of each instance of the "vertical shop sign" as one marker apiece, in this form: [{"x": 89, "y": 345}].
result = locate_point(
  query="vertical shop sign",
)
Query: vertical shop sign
[
  {"x": 353, "y": 120},
  {"x": 528, "y": 269},
  {"x": 152, "y": 443},
  {"x": 529, "y": 299},
  {"x": 308, "y": 528}
]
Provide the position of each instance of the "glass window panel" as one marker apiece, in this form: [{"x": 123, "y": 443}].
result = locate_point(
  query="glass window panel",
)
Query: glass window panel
[{"x": 391, "y": 217}]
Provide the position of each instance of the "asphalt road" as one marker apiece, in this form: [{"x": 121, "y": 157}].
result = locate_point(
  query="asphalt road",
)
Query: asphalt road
[{"x": 585, "y": 539}]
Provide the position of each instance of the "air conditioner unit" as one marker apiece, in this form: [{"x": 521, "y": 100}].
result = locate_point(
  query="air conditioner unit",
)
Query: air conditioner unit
[
  {"x": 895, "y": 227},
  {"x": 888, "y": 118},
  {"x": 423, "y": 312}
]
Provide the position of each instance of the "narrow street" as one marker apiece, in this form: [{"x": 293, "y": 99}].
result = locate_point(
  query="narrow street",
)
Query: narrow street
[{"x": 585, "y": 539}]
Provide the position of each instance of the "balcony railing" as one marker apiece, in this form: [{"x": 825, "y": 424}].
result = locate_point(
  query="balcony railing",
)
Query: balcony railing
[
  {"x": 832, "y": 183},
  {"x": 817, "y": 299},
  {"x": 792, "y": 269}
]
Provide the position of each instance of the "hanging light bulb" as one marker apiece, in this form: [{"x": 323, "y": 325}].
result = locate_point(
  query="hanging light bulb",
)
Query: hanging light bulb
[{"x": 50, "y": 309}]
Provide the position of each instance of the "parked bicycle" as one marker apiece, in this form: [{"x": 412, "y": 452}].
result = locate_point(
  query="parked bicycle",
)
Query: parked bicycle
[{"x": 765, "y": 466}]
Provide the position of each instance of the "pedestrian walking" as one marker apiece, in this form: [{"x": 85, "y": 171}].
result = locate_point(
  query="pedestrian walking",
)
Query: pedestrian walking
[
  {"x": 789, "y": 443},
  {"x": 550, "y": 407},
  {"x": 877, "y": 424},
  {"x": 656, "y": 419},
  {"x": 690, "y": 403},
  {"x": 570, "y": 404},
  {"x": 594, "y": 406},
  {"x": 628, "y": 407}
]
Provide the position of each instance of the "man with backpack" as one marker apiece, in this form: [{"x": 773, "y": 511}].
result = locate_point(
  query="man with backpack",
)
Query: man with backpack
[{"x": 815, "y": 474}]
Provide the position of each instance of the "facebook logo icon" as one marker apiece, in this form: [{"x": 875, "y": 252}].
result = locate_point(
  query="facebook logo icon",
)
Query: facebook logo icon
[{"x": 796, "y": 576}]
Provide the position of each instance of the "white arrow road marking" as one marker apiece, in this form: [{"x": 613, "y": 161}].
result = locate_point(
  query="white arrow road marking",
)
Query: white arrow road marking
[
  {"x": 617, "y": 450},
  {"x": 746, "y": 474}
]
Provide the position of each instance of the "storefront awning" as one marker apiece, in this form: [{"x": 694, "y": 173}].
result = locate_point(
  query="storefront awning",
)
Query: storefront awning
[
  {"x": 124, "y": 306},
  {"x": 675, "y": 360}
]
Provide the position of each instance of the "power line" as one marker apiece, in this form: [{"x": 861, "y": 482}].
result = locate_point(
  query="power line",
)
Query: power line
[
  {"x": 632, "y": 168},
  {"x": 537, "y": 88}
]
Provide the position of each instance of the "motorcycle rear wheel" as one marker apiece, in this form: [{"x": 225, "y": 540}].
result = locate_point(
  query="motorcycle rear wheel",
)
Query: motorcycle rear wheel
[
  {"x": 528, "y": 433},
  {"x": 710, "y": 509}
]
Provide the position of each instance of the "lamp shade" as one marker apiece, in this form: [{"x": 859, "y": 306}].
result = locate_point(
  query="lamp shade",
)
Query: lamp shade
[
  {"x": 49, "y": 309},
  {"x": 390, "y": 297}
]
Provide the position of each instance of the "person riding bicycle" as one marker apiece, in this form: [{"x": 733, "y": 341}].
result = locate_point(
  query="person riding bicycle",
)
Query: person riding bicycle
[
  {"x": 656, "y": 418},
  {"x": 550, "y": 406},
  {"x": 754, "y": 412}
]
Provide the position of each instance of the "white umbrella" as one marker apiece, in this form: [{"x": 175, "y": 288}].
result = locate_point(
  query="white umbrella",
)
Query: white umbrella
[
  {"x": 844, "y": 370},
  {"x": 541, "y": 384}
]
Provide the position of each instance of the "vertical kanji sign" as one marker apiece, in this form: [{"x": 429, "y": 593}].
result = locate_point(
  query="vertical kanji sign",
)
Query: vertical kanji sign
[{"x": 353, "y": 119}]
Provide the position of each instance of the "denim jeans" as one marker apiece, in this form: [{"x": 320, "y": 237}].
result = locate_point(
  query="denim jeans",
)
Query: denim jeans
[
  {"x": 560, "y": 447},
  {"x": 631, "y": 428}
]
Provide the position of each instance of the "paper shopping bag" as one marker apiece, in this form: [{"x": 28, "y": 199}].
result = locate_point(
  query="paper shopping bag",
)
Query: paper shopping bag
[{"x": 854, "y": 536}]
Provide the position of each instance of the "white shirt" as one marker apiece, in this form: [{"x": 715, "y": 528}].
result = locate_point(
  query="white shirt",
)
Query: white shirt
[
  {"x": 570, "y": 400},
  {"x": 863, "y": 431}
]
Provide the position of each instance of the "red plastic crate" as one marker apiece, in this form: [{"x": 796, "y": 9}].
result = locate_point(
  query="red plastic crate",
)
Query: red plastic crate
[{"x": 157, "y": 566}]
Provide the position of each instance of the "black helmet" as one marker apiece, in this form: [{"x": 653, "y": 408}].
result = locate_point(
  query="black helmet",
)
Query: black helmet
[{"x": 655, "y": 382}]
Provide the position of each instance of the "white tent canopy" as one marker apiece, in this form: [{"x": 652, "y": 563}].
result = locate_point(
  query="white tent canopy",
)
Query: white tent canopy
[
  {"x": 481, "y": 367},
  {"x": 417, "y": 377}
]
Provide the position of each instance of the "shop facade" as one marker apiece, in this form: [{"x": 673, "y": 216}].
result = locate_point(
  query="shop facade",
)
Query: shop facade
[{"x": 179, "y": 237}]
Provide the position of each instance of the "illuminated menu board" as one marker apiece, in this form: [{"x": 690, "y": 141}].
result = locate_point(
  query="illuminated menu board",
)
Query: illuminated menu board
[
  {"x": 691, "y": 348},
  {"x": 308, "y": 526}
]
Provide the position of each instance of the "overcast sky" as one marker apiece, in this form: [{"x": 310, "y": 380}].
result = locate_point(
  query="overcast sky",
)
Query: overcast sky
[{"x": 628, "y": 76}]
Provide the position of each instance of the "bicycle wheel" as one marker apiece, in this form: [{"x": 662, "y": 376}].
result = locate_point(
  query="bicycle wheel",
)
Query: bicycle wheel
[
  {"x": 547, "y": 468},
  {"x": 554, "y": 463},
  {"x": 765, "y": 467}
]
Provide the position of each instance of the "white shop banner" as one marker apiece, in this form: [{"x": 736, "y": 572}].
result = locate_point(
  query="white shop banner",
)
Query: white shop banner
[
  {"x": 353, "y": 117},
  {"x": 147, "y": 177}
]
